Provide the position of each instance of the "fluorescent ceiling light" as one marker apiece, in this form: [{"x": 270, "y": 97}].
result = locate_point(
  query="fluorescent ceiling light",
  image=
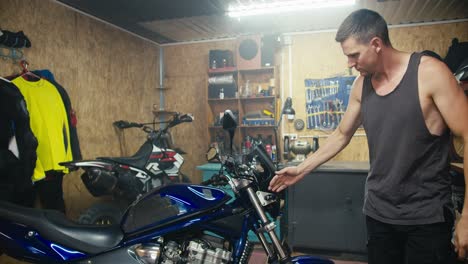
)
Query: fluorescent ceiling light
[{"x": 283, "y": 6}]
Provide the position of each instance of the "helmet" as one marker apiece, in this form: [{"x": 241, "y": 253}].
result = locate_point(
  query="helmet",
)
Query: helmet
[{"x": 461, "y": 74}]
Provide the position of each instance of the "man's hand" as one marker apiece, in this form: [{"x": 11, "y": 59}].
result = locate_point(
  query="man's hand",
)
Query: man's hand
[
  {"x": 284, "y": 178},
  {"x": 461, "y": 237}
]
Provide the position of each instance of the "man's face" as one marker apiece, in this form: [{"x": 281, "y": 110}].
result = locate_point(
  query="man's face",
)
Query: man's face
[{"x": 360, "y": 56}]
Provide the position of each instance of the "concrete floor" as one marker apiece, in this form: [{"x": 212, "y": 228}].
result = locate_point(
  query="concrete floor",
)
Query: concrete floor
[{"x": 259, "y": 257}]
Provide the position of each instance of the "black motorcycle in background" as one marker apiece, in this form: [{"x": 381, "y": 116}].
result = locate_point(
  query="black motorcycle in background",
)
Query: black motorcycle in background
[{"x": 156, "y": 163}]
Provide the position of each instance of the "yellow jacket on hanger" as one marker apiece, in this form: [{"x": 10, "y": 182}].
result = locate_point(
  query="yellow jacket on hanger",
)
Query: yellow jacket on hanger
[{"x": 49, "y": 124}]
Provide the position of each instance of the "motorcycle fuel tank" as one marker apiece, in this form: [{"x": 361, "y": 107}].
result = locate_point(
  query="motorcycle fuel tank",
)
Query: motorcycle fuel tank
[{"x": 171, "y": 203}]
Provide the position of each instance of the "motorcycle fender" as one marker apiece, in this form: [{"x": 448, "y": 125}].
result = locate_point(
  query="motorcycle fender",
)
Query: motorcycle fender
[
  {"x": 310, "y": 260},
  {"x": 87, "y": 163}
]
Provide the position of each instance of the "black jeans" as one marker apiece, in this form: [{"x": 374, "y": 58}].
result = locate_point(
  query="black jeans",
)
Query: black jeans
[{"x": 410, "y": 244}]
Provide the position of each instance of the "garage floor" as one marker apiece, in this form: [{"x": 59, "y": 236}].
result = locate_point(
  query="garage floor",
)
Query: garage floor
[{"x": 259, "y": 257}]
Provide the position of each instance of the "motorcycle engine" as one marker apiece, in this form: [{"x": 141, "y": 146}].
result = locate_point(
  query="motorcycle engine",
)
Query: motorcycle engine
[
  {"x": 196, "y": 251},
  {"x": 200, "y": 253}
]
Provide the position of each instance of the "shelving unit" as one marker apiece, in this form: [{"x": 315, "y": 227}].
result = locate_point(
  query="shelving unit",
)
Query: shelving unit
[{"x": 245, "y": 102}]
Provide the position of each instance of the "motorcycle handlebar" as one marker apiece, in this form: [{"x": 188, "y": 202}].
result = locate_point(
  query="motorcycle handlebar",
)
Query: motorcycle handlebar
[
  {"x": 215, "y": 180},
  {"x": 207, "y": 182},
  {"x": 177, "y": 119},
  {"x": 265, "y": 160},
  {"x": 186, "y": 118},
  {"x": 122, "y": 124}
]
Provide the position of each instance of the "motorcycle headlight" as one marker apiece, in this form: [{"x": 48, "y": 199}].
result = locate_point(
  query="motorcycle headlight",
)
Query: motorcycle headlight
[{"x": 146, "y": 253}]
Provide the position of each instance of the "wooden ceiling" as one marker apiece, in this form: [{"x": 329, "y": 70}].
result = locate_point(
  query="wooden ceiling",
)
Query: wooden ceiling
[{"x": 176, "y": 21}]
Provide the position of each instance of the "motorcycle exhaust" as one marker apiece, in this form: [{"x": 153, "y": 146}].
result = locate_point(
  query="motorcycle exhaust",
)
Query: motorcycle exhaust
[{"x": 99, "y": 182}]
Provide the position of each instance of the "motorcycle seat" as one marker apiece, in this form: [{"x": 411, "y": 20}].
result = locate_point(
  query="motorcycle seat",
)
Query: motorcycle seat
[
  {"x": 138, "y": 160},
  {"x": 54, "y": 226}
]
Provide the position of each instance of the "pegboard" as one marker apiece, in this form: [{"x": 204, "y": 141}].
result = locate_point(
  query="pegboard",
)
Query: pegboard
[{"x": 326, "y": 101}]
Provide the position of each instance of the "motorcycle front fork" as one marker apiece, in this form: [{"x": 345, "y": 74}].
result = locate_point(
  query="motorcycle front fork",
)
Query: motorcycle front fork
[{"x": 267, "y": 227}]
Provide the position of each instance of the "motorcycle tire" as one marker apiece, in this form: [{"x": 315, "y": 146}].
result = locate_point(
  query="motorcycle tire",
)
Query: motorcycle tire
[{"x": 102, "y": 214}]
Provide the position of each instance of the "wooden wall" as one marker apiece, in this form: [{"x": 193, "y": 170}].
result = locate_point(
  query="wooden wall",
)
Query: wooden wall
[
  {"x": 186, "y": 68},
  {"x": 317, "y": 56},
  {"x": 314, "y": 55},
  {"x": 112, "y": 75},
  {"x": 108, "y": 74}
]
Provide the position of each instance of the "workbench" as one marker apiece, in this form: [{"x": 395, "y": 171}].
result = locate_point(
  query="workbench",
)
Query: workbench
[{"x": 325, "y": 208}]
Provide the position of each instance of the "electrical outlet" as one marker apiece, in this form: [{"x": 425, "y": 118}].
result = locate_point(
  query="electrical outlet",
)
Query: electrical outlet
[{"x": 291, "y": 136}]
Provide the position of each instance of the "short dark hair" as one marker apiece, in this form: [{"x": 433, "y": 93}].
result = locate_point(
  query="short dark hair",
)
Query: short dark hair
[{"x": 363, "y": 24}]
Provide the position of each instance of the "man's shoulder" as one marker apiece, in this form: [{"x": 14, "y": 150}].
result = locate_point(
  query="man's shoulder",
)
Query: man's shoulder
[
  {"x": 359, "y": 80},
  {"x": 433, "y": 74},
  {"x": 358, "y": 83},
  {"x": 431, "y": 65}
]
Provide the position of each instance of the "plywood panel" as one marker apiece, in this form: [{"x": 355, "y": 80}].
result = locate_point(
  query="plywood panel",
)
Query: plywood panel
[
  {"x": 319, "y": 56},
  {"x": 186, "y": 75},
  {"x": 108, "y": 74},
  {"x": 112, "y": 75}
]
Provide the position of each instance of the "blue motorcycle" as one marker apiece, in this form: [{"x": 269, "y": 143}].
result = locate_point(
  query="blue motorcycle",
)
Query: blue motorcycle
[{"x": 180, "y": 223}]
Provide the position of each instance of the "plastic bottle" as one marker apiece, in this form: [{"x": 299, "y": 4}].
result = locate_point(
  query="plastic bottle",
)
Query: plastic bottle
[
  {"x": 268, "y": 149},
  {"x": 273, "y": 152},
  {"x": 248, "y": 143},
  {"x": 247, "y": 89},
  {"x": 259, "y": 139},
  {"x": 221, "y": 93}
]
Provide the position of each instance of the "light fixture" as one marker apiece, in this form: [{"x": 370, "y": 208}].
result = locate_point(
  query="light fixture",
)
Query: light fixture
[
  {"x": 283, "y": 6},
  {"x": 290, "y": 112}
]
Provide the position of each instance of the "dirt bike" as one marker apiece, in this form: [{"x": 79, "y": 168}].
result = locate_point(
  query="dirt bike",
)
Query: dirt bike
[
  {"x": 126, "y": 178},
  {"x": 178, "y": 223}
]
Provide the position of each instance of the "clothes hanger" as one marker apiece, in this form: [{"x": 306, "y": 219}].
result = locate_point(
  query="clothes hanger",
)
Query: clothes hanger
[
  {"x": 26, "y": 74},
  {"x": 4, "y": 79}
]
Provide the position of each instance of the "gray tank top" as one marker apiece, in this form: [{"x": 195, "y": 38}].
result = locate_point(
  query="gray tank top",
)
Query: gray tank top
[{"x": 408, "y": 181}]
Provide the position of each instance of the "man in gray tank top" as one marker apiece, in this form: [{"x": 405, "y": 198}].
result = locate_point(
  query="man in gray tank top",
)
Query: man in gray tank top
[{"x": 407, "y": 103}]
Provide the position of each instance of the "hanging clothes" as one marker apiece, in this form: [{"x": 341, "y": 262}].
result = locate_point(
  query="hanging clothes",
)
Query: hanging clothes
[
  {"x": 72, "y": 121},
  {"x": 16, "y": 168},
  {"x": 49, "y": 123}
]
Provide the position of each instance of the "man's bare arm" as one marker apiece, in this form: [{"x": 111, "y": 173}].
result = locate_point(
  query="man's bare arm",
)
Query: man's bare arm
[
  {"x": 334, "y": 144},
  {"x": 452, "y": 104},
  {"x": 341, "y": 137}
]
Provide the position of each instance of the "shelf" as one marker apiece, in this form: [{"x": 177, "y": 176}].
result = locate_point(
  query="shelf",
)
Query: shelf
[
  {"x": 222, "y": 70},
  {"x": 259, "y": 70},
  {"x": 242, "y": 105},
  {"x": 243, "y": 126},
  {"x": 246, "y": 99},
  {"x": 235, "y": 70},
  {"x": 266, "y": 126},
  {"x": 218, "y": 127},
  {"x": 222, "y": 100},
  {"x": 256, "y": 98}
]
